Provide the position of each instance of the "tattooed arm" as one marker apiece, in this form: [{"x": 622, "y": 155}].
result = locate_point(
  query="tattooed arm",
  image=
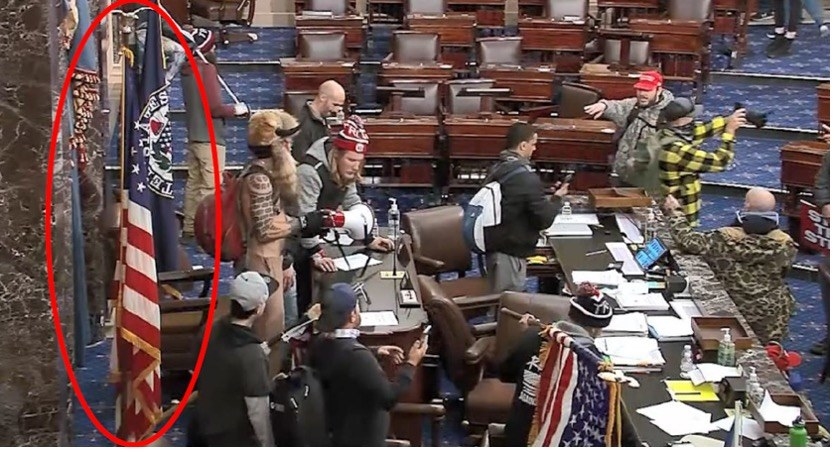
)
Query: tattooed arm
[{"x": 266, "y": 224}]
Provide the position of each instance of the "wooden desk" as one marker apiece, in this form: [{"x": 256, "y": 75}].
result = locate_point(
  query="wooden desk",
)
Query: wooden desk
[
  {"x": 801, "y": 161},
  {"x": 526, "y": 84},
  {"x": 303, "y": 75},
  {"x": 674, "y": 36},
  {"x": 731, "y": 17},
  {"x": 402, "y": 137},
  {"x": 456, "y": 31},
  {"x": 614, "y": 85},
  {"x": 575, "y": 141},
  {"x": 352, "y": 26},
  {"x": 382, "y": 297},
  {"x": 824, "y": 103},
  {"x": 438, "y": 72},
  {"x": 300, "y": 4},
  {"x": 563, "y": 41}
]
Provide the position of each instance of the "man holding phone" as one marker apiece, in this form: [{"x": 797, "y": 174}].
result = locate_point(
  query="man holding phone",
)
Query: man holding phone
[{"x": 357, "y": 393}]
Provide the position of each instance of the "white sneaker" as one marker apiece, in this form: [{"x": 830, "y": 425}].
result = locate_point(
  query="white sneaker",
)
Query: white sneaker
[{"x": 824, "y": 31}]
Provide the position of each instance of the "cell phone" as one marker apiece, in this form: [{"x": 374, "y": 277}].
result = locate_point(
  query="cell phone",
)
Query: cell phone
[
  {"x": 568, "y": 178},
  {"x": 426, "y": 331}
]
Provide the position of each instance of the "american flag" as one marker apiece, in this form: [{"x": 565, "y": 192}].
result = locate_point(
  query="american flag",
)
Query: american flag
[
  {"x": 572, "y": 402},
  {"x": 136, "y": 356}
]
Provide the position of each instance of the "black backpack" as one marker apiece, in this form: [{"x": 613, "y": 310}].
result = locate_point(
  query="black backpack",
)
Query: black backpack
[{"x": 297, "y": 409}]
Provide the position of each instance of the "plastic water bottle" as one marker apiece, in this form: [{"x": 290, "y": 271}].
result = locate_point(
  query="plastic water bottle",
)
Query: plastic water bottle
[
  {"x": 394, "y": 219},
  {"x": 726, "y": 350},
  {"x": 754, "y": 388},
  {"x": 686, "y": 361},
  {"x": 566, "y": 211},
  {"x": 650, "y": 227}
]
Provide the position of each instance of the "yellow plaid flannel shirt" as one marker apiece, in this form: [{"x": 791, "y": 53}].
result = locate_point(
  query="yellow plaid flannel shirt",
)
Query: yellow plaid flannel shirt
[{"x": 681, "y": 161}]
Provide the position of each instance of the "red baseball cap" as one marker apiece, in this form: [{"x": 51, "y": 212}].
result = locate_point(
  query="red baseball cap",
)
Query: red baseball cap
[{"x": 649, "y": 80}]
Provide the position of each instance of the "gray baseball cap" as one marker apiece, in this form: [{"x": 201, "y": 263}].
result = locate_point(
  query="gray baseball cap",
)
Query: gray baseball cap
[{"x": 249, "y": 290}]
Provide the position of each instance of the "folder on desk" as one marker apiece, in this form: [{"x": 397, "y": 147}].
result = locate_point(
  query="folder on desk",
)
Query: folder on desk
[
  {"x": 631, "y": 351},
  {"x": 631, "y": 324},
  {"x": 568, "y": 230}
]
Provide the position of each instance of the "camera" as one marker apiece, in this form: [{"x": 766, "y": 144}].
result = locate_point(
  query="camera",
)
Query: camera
[{"x": 756, "y": 118}]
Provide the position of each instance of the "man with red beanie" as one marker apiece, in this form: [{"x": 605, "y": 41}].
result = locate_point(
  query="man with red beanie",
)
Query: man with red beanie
[
  {"x": 327, "y": 177},
  {"x": 636, "y": 117}
]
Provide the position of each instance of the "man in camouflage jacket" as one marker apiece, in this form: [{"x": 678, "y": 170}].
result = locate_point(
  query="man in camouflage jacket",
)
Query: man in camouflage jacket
[
  {"x": 636, "y": 117},
  {"x": 750, "y": 258}
]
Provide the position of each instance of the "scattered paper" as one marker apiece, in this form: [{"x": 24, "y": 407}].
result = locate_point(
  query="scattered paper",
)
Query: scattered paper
[
  {"x": 773, "y": 412},
  {"x": 589, "y": 219},
  {"x": 637, "y": 287},
  {"x": 629, "y": 228},
  {"x": 686, "y": 391},
  {"x": 355, "y": 262},
  {"x": 631, "y": 324},
  {"x": 620, "y": 252},
  {"x": 677, "y": 418},
  {"x": 669, "y": 327},
  {"x": 750, "y": 429},
  {"x": 685, "y": 309},
  {"x": 379, "y": 318},
  {"x": 569, "y": 230},
  {"x": 713, "y": 373},
  {"x": 631, "y": 351},
  {"x": 611, "y": 278},
  {"x": 648, "y": 302}
]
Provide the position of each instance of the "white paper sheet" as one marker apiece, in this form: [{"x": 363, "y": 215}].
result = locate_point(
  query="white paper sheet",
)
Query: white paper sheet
[
  {"x": 379, "y": 318},
  {"x": 621, "y": 253},
  {"x": 569, "y": 230},
  {"x": 710, "y": 372},
  {"x": 685, "y": 309},
  {"x": 749, "y": 428},
  {"x": 631, "y": 324},
  {"x": 355, "y": 262},
  {"x": 677, "y": 418},
  {"x": 600, "y": 278},
  {"x": 773, "y": 412},
  {"x": 631, "y": 351},
  {"x": 589, "y": 219},
  {"x": 666, "y": 326},
  {"x": 649, "y": 302},
  {"x": 628, "y": 228}
]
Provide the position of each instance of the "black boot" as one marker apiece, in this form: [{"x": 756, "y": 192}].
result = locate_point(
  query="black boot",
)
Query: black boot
[{"x": 779, "y": 47}]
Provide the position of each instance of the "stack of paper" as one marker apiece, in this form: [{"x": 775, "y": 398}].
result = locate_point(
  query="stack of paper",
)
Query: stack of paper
[
  {"x": 685, "y": 309},
  {"x": 678, "y": 419},
  {"x": 611, "y": 278},
  {"x": 355, "y": 262},
  {"x": 713, "y": 373},
  {"x": 568, "y": 230},
  {"x": 687, "y": 391},
  {"x": 646, "y": 302},
  {"x": 631, "y": 324},
  {"x": 629, "y": 229},
  {"x": 666, "y": 328},
  {"x": 379, "y": 318},
  {"x": 631, "y": 351},
  {"x": 620, "y": 252},
  {"x": 589, "y": 219}
]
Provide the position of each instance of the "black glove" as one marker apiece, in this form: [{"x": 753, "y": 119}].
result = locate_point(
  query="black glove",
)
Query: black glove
[{"x": 312, "y": 224}]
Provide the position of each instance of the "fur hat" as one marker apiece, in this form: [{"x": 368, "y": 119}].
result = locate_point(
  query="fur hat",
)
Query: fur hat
[
  {"x": 266, "y": 126},
  {"x": 589, "y": 307},
  {"x": 353, "y": 136}
]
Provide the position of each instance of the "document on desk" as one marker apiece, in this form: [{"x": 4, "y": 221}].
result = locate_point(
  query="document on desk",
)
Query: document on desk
[
  {"x": 588, "y": 219},
  {"x": 685, "y": 309},
  {"x": 631, "y": 351},
  {"x": 355, "y": 262},
  {"x": 379, "y": 318},
  {"x": 629, "y": 228},
  {"x": 631, "y": 324},
  {"x": 773, "y": 412},
  {"x": 653, "y": 301},
  {"x": 711, "y": 372},
  {"x": 620, "y": 252},
  {"x": 749, "y": 428},
  {"x": 669, "y": 328},
  {"x": 678, "y": 419},
  {"x": 568, "y": 230},
  {"x": 611, "y": 278},
  {"x": 687, "y": 391}
]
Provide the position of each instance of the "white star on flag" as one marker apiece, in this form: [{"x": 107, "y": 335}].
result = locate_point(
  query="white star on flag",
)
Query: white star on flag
[{"x": 141, "y": 187}]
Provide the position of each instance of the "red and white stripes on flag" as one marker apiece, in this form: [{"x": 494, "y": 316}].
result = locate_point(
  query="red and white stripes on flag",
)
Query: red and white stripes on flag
[{"x": 554, "y": 399}]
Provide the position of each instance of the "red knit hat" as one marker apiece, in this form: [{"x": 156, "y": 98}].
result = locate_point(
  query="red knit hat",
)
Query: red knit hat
[{"x": 352, "y": 137}]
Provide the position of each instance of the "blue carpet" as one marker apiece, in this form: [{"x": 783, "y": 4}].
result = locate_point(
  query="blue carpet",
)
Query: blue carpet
[{"x": 757, "y": 163}]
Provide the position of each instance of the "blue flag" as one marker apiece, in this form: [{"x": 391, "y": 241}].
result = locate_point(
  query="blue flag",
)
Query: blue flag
[{"x": 154, "y": 135}]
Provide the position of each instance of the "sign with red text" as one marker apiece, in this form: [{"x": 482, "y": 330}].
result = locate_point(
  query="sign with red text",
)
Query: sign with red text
[{"x": 814, "y": 229}]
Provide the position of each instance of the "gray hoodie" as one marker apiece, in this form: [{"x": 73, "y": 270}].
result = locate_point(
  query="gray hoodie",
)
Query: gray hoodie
[
  {"x": 617, "y": 111},
  {"x": 309, "y": 187}
]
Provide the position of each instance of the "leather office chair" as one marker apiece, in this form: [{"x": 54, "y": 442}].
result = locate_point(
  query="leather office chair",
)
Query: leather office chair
[
  {"x": 426, "y": 7},
  {"x": 325, "y": 46},
  {"x": 415, "y": 47},
  {"x": 228, "y": 13},
  {"x": 697, "y": 10},
  {"x": 499, "y": 51},
  {"x": 336, "y": 7},
  {"x": 458, "y": 104},
  {"x": 574, "y": 96},
  {"x": 639, "y": 52},
  {"x": 433, "y": 256},
  {"x": 559, "y": 9},
  {"x": 295, "y": 100},
  {"x": 547, "y": 308},
  {"x": 427, "y": 105}
]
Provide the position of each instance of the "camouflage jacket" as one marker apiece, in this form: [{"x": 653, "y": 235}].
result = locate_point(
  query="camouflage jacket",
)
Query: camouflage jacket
[
  {"x": 617, "y": 111},
  {"x": 751, "y": 268}
]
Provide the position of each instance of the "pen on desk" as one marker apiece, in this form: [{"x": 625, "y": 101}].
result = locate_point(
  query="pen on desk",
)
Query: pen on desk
[{"x": 594, "y": 253}]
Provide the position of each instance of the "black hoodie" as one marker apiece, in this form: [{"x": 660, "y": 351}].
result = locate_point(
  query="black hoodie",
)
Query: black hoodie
[
  {"x": 235, "y": 367},
  {"x": 525, "y": 209}
]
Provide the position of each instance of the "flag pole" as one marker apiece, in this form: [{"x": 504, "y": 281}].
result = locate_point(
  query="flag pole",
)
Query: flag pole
[{"x": 191, "y": 41}]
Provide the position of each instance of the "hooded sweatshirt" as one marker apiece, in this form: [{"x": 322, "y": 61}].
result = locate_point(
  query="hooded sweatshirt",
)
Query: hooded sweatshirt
[
  {"x": 235, "y": 367},
  {"x": 310, "y": 185}
]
